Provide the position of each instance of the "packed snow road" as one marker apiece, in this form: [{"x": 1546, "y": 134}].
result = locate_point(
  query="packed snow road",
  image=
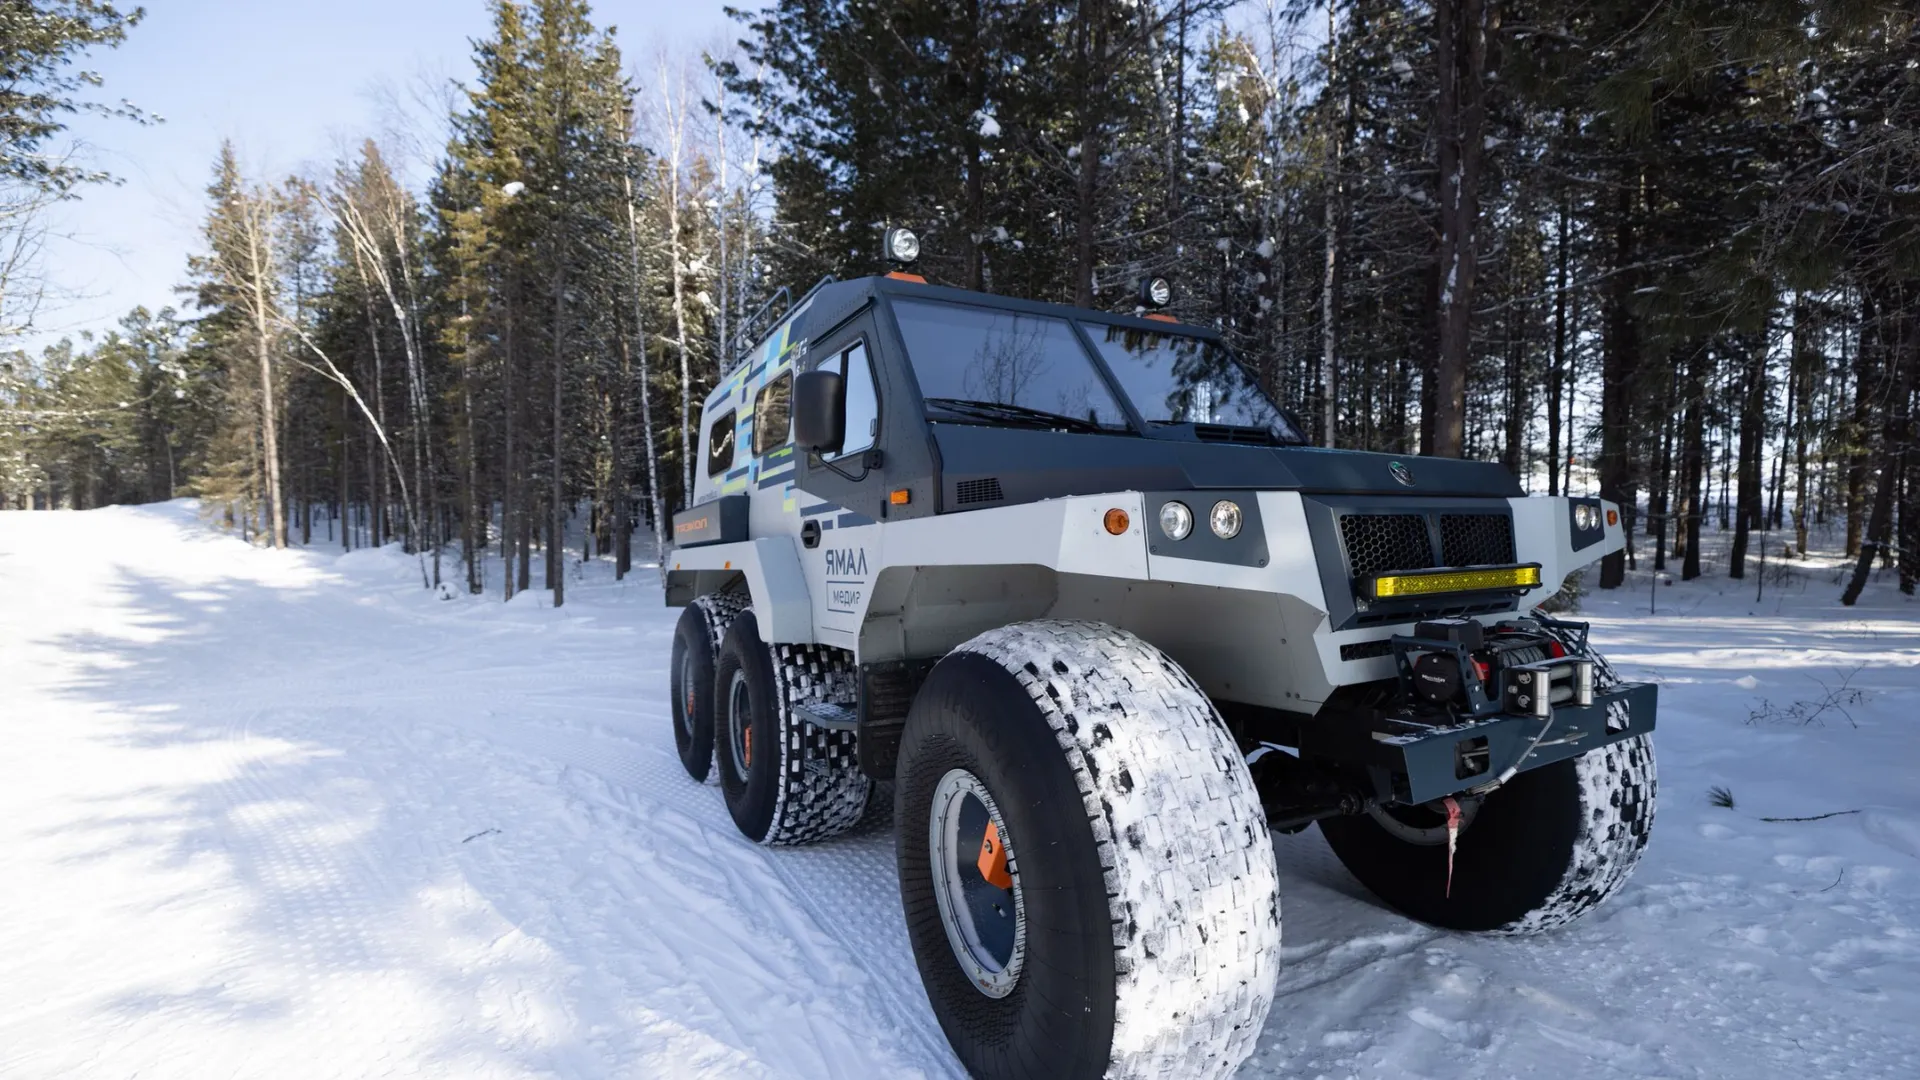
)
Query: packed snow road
[{"x": 286, "y": 814}]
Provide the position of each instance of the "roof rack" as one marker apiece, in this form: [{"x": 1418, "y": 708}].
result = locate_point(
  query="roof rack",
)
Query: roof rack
[{"x": 748, "y": 330}]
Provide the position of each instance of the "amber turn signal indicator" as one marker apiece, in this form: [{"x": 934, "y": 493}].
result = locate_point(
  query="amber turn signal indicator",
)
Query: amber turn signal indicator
[
  {"x": 901, "y": 497},
  {"x": 1613, "y": 517},
  {"x": 1117, "y": 521}
]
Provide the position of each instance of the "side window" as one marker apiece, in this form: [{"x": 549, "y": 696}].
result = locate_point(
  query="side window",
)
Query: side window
[
  {"x": 863, "y": 405},
  {"x": 720, "y": 445},
  {"x": 773, "y": 415}
]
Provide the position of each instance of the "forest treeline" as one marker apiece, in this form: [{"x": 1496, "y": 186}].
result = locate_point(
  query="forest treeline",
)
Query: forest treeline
[{"x": 1670, "y": 252}]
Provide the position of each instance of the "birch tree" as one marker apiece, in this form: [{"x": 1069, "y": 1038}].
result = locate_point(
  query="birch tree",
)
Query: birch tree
[{"x": 240, "y": 272}]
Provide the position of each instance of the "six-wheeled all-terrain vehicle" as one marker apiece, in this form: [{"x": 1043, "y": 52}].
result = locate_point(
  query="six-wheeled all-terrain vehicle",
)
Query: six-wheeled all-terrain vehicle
[{"x": 1070, "y": 589}]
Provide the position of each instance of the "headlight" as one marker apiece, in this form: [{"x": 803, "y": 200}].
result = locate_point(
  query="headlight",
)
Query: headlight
[
  {"x": 1585, "y": 517},
  {"x": 1156, "y": 292},
  {"x": 1225, "y": 519},
  {"x": 1176, "y": 520},
  {"x": 902, "y": 245}
]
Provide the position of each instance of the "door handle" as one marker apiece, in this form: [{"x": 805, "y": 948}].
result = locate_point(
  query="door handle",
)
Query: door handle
[{"x": 810, "y": 534}]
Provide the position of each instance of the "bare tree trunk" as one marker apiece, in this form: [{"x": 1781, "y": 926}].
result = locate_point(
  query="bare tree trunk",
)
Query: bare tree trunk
[
  {"x": 1619, "y": 372},
  {"x": 1748, "y": 508},
  {"x": 1693, "y": 461},
  {"x": 725, "y": 351},
  {"x": 619, "y": 491},
  {"x": 1862, "y": 413},
  {"x": 1901, "y": 349},
  {"x": 474, "y": 537},
  {"x": 1805, "y": 357},
  {"x": 1093, "y": 62},
  {"x": 676, "y": 133},
  {"x": 1329, "y": 382},
  {"x": 1461, "y": 28},
  {"x": 346, "y": 479},
  {"x": 260, "y": 273},
  {"x": 1556, "y": 374},
  {"x": 646, "y": 380},
  {"x": 509, "y": 495},
  {"x": 1519, "y": 409},
  {"x": 556, "y": 543}
]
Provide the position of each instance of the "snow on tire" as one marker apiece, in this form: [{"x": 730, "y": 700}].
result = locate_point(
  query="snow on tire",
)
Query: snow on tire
[
  {"x": 1169, "y": 848},
  {"x": 786, "y": 781},
  {"x": 1618, "y": 789},
  {"x": 696, "y": 644},
  {"x": 1540, "y": 852}
]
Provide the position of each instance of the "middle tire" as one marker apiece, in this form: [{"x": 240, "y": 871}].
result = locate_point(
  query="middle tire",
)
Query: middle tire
[
  {"x": 785, "y": 780},
  {"x": 1085, "y": 866}
]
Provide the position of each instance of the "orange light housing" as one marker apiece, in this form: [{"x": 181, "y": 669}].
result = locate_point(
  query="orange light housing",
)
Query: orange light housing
[
  {"x": 1157, "y": 317},
  {"x": 901, "y": 497},
  {"x": 1117, "y": 521},
  {"x": 1613, "y": 517}
]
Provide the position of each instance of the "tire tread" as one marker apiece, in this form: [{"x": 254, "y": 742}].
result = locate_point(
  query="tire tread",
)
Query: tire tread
[{"x": 1182, "y": 840}]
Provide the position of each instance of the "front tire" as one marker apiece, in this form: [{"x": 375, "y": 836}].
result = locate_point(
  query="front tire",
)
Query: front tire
[
  {"x": 1129, "y": 923},
  {"x": 1539, "y": 852},
  {"x": 785, "y": 780}
]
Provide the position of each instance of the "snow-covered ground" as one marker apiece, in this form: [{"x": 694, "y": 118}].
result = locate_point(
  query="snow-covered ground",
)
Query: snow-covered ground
[{"x": 286, "y": 814}]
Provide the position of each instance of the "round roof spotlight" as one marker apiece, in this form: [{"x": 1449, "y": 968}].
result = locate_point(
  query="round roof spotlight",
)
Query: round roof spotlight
[
  {"x": 1225, "y": 519},
  {"x": 1176, "y": 520},
  {"x": 1155, "y": 292},
  {"x": 902, "y": 246}
]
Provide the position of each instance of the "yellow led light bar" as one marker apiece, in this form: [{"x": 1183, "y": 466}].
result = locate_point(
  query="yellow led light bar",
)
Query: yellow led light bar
[{"x": 1394, "y": 586}]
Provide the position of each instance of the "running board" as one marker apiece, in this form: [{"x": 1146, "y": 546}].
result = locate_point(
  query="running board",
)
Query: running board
[{"x": 829, "y": 715}]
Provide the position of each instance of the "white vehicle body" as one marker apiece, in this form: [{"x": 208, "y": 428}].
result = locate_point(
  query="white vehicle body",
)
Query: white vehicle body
[
  {"x": 894, "y": 590},
  {"x": 1274, "y": 630}
]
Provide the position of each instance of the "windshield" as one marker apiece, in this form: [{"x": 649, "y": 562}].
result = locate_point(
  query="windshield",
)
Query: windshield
[
  {"x": 1175, "y": 379},
  {"x": 978, "y": 365}
]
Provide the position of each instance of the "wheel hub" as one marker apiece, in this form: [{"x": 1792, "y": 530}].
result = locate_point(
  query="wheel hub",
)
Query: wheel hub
[
  {"x": 740, "y": 724},
  {"x": 686, "y": 693},
  {"x": 976, "y": 882}
]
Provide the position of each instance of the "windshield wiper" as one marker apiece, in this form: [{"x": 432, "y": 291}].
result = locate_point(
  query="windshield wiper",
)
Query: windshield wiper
[
  {"x": 1019, "y": 414},
  {"x": 1257, "y": 434}
]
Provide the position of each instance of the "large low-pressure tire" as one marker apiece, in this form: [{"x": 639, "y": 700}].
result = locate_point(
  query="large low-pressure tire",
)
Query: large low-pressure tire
[
  {"x": 696, "y": 644},
  {"x": 1085, "y": 866},
  {"x": 1536, "y": 854},
  {"x": 785, "y": 780}
]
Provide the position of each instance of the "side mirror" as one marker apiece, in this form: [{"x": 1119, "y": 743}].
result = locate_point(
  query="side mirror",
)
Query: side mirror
[{"x": 819, "y": 411}]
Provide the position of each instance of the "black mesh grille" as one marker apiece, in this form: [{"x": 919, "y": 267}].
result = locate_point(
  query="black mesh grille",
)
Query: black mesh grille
[
  {"x": 978, "y": 491},
  {"x": 1366, "y": 650},
  {"x": 1381, "y": 543},
  {"x": 1476, "y": 539}
]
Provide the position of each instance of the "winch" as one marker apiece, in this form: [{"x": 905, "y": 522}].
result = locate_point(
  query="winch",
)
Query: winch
[{"x": 1472, "y": 670}]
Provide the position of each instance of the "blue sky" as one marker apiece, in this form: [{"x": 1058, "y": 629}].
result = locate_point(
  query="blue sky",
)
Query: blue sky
[{"x": 290, "y": 83}]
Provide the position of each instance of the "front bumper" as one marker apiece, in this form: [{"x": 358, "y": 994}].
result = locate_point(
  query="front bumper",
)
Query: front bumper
[{"x": 1410, "y": 761}]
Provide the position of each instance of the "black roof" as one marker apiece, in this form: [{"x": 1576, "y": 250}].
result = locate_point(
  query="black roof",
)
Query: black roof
[{"x": 830, "y": 303}]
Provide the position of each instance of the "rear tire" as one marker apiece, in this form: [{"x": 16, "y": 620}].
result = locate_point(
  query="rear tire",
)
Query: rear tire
[
  {"x": 1139, "y": 873},
  {"x": 1540, "y": 852},
  {"x": 785, "y": 780},
  {"x": 696, "y": 643}
]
